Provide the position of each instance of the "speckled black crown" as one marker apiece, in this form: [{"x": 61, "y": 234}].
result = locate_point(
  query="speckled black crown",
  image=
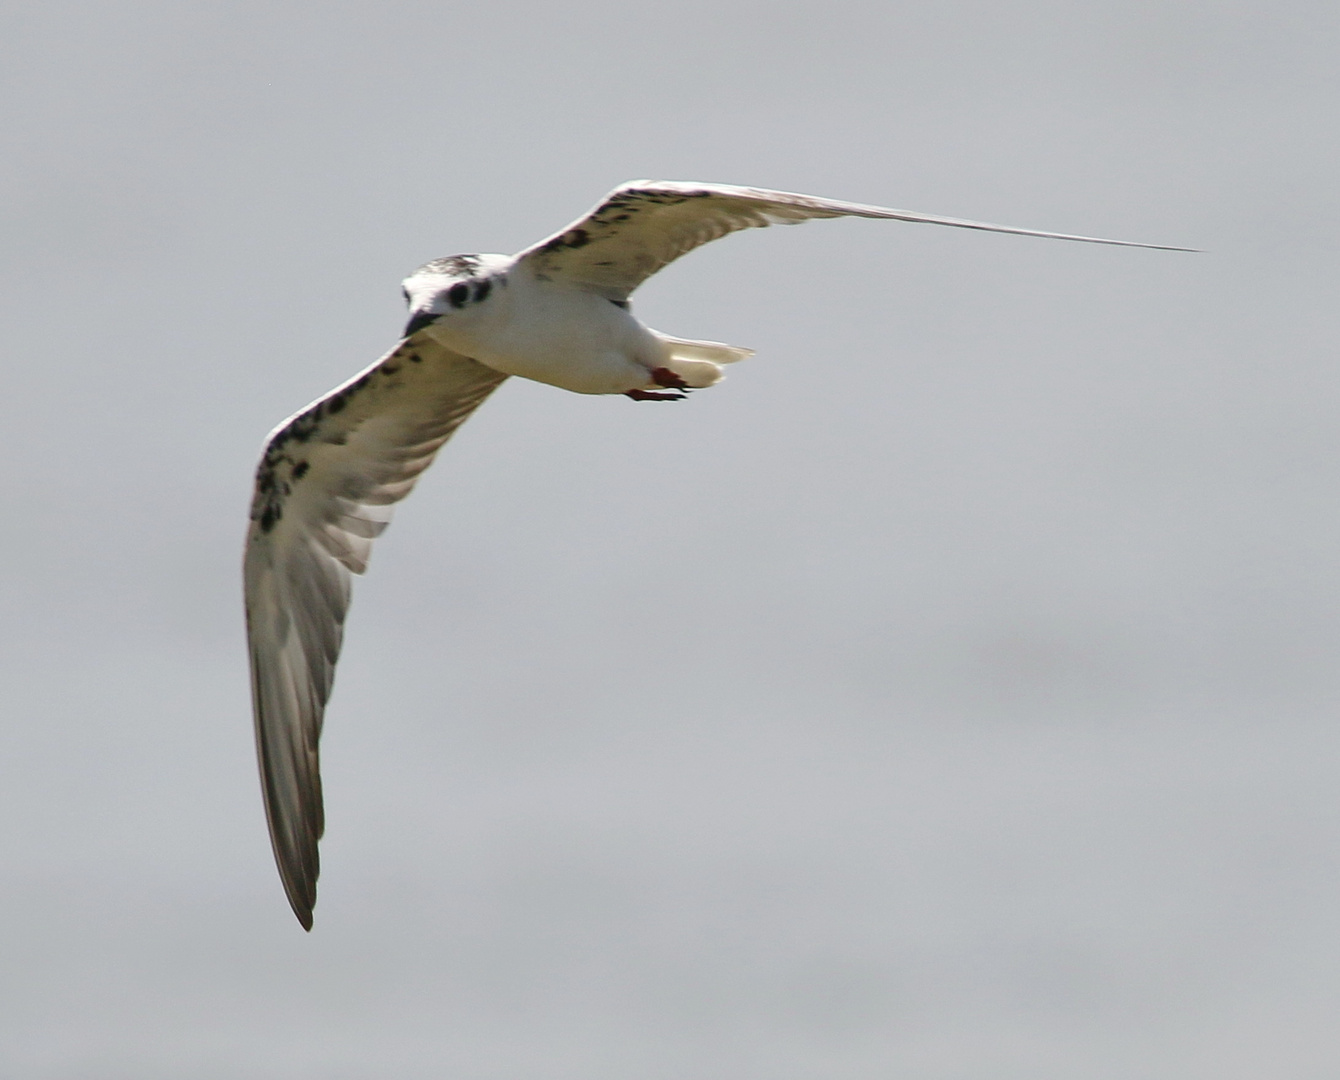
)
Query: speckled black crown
[{"x": 452, "y": 266}]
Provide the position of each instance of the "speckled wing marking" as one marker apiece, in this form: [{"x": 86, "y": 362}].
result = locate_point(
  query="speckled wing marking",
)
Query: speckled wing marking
[
  {"x": 644, "y": 225},
  {"x": 324, "y": 490}
]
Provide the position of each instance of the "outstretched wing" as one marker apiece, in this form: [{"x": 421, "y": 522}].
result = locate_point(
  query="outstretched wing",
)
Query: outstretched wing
[
  {"x": 647, "y": 224},
  {"x": 324, "y": 490}
]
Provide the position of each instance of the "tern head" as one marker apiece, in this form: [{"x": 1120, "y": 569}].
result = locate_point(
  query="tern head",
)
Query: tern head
[{"x": 448, "y": 285}]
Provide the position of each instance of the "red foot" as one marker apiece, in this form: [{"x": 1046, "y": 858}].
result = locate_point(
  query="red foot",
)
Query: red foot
[{"x": 663, "y": 376}]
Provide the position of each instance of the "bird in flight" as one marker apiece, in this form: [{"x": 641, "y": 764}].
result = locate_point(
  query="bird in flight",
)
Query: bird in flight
[{"x": 558, "y": 313}]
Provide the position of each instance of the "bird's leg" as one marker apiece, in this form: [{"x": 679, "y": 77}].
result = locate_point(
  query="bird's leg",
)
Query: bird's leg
[{"x": 661, "y": 376}]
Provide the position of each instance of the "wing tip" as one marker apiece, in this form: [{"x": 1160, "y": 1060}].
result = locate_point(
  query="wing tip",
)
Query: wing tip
[{"x": 302, "y": 908}]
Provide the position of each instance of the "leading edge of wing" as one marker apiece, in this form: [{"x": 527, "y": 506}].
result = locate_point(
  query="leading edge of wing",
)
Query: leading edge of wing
[{"x": 839, "y": 208}]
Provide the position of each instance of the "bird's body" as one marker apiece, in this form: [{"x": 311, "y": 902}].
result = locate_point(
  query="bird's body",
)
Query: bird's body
[
  {"x": 552, "y": 332},
  {"x": 557, "y": 313}
]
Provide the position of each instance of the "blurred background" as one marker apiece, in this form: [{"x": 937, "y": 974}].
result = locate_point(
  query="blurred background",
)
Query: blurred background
[{"x": 950, "y": 694}]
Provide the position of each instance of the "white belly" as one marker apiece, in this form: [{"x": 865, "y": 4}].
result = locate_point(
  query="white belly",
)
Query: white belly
[{"x": 566, "y": 337}]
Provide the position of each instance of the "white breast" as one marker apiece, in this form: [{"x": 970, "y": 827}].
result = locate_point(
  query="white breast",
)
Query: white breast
[{"x": 554, "y": 333}]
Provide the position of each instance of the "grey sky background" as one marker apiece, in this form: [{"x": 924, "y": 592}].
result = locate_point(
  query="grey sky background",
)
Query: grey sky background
[{"x": 950, "y": 694}]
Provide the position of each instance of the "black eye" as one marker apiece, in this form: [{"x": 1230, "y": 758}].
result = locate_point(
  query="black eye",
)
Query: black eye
[
  {"x": 458, "y": 294},
  {"x": 405, "y": 293}
]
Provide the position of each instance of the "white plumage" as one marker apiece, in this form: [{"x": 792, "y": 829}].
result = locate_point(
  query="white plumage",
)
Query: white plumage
[{"x": 557, "y": 313}]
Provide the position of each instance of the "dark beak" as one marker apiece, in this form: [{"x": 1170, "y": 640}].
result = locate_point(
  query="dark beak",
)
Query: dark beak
[{"x": 418, "y": 322}]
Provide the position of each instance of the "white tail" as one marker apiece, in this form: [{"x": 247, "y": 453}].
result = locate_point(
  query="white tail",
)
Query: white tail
[{"x": 698, "y": 363}]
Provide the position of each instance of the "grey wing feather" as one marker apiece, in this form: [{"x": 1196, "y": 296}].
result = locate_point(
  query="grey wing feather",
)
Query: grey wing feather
[
  {"x": 644, "y": 225},
  {"x": 324, "y": 491}
]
